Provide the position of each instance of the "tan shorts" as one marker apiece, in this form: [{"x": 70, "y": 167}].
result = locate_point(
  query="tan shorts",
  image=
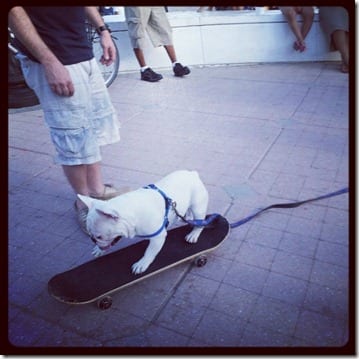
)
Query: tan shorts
[
  {"x": 151, "y": 19},
  {"x": 79, "y": 125}
]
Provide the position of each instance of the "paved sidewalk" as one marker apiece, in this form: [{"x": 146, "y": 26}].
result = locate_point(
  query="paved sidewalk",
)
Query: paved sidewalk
[{"x": 257, "y": 134}]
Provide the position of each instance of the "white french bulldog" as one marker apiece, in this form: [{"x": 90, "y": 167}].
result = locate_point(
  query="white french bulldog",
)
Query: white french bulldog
[{"x": 142, "y": 213}]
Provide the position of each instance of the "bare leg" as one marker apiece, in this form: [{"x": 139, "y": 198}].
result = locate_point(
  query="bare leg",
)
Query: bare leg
[
  {"x": 77, "y": 177},
  {"x": 171, "y": 52},
  {"x": 140, "y": 57},
  {"x": 341, "y": 42},
  {"x": 85, "y": 179},
  {"x": 290, "y": 15},
  {"x": 94, "y": 179},
  {"x": 308, "y": 17}
]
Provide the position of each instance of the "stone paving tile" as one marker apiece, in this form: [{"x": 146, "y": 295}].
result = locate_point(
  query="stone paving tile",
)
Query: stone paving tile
[
  {"x": 276, "y": 220},
  {"x": 292, "y": 265},
  {"x": 234, "y": 301},
  {"x": 330, "y": 275},
  {"x": 335, "y": 234},
  {"x": 331, "y": 302},
  {"x": 246, "y": 277},
  {"x": 161, "y": 337},
  {"x": 332, "y": 253},
  {"x": 299, "y": 244},
  {"x": 215, "y": 268},
  {"x": 262, "y": 337},
  {"x": 279, "y": 281},
  {"x": 296, "y": 225},
  {"x": 264, "y": 235},
  {"x": 285, "y": 288},
  {"x": 196, "y": 290},
  {"x": 43, "y": 306},
  {"x": 219, "y": 330},
  {"x": 275, "y": 315},
  {"x": 227, "y": 251},
  {"x": 250, "y": 253},
  {"x": 181, "y": 316},
  {"x": 29, "y": 331},
  {"x": 319, "y": 330}
]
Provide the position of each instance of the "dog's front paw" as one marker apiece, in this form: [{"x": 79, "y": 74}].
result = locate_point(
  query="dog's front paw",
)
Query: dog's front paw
[
  {"x": 140, "y": 266},
  {"x": 97, "y": 251}
]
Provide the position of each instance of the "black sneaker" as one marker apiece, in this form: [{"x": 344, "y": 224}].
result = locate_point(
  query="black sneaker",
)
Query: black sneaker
[
  {"x": 150, "y": 76},
  {"x": 180, "y": 70}
]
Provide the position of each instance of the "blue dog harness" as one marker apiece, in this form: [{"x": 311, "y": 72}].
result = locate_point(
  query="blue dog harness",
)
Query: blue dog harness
[
  {"x": 168, "y": 203},
  {"x": 172, "y": 204}
]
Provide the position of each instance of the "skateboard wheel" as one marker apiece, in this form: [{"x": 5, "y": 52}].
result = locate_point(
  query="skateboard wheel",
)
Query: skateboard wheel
[
  {"x": 201, "y": 261},
  {"x": 104, "y": 303}
]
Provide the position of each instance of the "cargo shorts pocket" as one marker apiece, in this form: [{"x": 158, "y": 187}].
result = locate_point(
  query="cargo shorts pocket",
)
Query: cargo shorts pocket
[
  {"x": 135, "y": 29},
  {"x": 72, "y": 143}
]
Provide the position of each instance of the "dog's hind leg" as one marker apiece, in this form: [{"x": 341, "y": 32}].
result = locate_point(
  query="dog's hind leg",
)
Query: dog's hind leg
[{"x": 198, "y": 208}]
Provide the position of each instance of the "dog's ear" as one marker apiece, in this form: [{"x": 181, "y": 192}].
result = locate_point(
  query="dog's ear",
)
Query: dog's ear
[
  {"x": 109, "y": 212},
  {"x": 87, "y": 200}
]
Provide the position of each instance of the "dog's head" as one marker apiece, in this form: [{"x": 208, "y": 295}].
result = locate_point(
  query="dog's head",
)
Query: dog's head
[{"x": 104, "y": 222}]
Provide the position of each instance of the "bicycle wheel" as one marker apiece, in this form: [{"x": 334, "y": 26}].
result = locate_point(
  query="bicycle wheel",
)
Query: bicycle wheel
[{"x": 110, "y": 72}]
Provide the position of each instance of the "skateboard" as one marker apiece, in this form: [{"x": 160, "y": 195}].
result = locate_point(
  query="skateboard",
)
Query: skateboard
[{"x": 97, "y": 279}]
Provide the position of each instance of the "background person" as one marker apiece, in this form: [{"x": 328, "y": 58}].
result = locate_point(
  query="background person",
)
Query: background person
[
  {"x": 300, "y": 32},
  {"x": 153, "y": 20},
  {"x": 334, "y": 22}
]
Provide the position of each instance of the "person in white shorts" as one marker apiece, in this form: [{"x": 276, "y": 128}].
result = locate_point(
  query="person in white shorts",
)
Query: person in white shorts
[
  {"x": 58, "y": 64},
  {"x": 153, "y": 20}
]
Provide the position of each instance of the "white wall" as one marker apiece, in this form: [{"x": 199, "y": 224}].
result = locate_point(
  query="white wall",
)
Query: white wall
[{"x": 225, "y": 37}]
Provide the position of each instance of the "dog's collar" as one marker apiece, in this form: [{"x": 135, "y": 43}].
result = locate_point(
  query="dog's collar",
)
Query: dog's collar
[{"x": 168, "y": 202}]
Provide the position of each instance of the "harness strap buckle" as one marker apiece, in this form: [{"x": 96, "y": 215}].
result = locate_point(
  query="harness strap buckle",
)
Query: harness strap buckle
[{"x": 168, "y": 205}]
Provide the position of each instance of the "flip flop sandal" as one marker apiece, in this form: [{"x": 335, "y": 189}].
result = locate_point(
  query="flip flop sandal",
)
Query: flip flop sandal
[{"x": 110, "y": 192}]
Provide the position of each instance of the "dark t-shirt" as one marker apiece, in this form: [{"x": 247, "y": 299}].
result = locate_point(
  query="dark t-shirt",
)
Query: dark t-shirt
[{"x": 62, "y": 28}]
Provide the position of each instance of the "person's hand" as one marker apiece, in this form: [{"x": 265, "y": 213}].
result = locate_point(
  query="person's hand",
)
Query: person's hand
[
  {"x": 108, "y": 47},
  {"x": 59, "y": 79},
  {"x": 299, "y": 46}
]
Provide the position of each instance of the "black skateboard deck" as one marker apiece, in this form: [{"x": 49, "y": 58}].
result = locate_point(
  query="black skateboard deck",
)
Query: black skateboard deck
[{"x": 98, "y": 278}]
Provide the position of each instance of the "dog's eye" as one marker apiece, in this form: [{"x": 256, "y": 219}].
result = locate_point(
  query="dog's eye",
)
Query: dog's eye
[{"x": 99, "y": 237}]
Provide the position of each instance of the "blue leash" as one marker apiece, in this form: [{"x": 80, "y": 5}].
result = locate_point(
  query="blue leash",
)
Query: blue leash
[
  {"x": 210, "y": 218},
  {"x": 288, "y": 205}
]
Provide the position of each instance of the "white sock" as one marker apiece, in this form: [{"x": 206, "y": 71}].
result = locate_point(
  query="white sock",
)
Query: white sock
[
  {"x": 144, "y": 68},
  {"x": 174, "y": 63}
]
